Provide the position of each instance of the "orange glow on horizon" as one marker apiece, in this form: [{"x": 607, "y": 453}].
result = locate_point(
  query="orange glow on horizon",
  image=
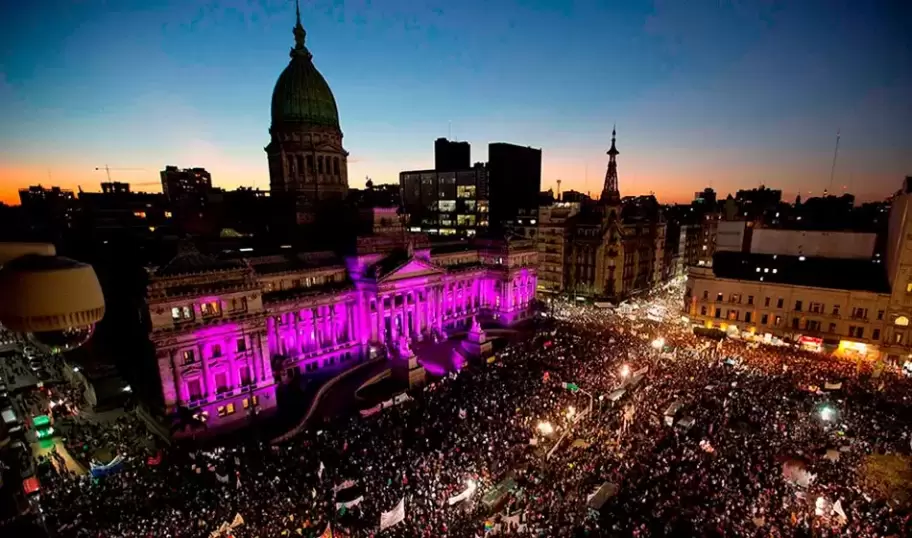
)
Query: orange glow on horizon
[{"x": 669, "y": 185}]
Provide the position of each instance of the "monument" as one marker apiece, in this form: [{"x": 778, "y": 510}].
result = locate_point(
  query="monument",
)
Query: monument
[
  {"x": 476, "y": 343},
  {"x": 405, "y": 365}
]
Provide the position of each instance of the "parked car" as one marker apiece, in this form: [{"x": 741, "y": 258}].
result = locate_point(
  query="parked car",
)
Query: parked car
[
  {"x": 42, "y": 374},
  {"x": 36, "y": 364}
]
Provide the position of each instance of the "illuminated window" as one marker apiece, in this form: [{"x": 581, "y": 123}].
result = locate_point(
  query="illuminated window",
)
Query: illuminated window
[
  {"x": 216, "y": 350},
  {"x": 909, "y": 287},
  {"x": 225, "y": 410},
  {"x": 181, "y": 313},
  {"x": 139, "y": 214},
  {"x": 902, "y": 321},
  {"x": 189, "y": 356},
  {"x": 211, "y": 308},
  {"x": 167, "y": 214},
  {"x": 465, "y": 191}
]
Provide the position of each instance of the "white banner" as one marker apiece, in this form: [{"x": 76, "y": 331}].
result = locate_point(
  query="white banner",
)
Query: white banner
[
  {"x": 394, "y": 516},
  {"x": 832, "y": 386},
  {"x": 464, "y": 495}
]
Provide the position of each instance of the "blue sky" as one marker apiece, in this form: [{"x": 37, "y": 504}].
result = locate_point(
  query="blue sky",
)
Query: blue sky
[{"x": 728, "y": 94}]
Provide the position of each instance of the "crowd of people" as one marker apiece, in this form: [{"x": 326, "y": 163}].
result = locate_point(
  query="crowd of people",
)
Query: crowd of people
[{"x": 544, "y": 417}]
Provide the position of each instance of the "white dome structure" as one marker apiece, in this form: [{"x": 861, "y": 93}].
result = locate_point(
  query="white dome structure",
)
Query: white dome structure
[{"x": 55, "y": 301}]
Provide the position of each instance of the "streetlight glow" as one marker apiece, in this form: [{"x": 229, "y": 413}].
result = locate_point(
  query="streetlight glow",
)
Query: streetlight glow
[
  {"x": 545, "y": 428},
  {"x": 658, "y": 343},
  {"x": 625, "y": 370}
]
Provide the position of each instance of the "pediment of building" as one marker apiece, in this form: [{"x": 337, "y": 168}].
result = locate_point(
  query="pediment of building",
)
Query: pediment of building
[{"x": 414, "y": 267}]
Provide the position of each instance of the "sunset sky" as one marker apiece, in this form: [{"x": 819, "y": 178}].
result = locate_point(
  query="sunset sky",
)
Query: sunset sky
[{"x": 704, "y": 93}]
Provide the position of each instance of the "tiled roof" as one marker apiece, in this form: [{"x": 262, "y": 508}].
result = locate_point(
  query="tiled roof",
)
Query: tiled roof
[{"x": 195, "y": 262}]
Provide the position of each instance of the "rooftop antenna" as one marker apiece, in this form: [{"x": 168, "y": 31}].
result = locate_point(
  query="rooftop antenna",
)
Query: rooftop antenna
[
  {"x": 833, "y": 167},
  {"x": 558, "y": 189},
  {"x": 449, "y": 130}
]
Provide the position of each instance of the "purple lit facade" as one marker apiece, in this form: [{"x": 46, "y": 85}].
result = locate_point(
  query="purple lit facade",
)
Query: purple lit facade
[{"x": 226, "y": 333}]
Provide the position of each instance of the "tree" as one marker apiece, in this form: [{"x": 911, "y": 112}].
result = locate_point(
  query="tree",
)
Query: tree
[{"x": 888, "y": 477}]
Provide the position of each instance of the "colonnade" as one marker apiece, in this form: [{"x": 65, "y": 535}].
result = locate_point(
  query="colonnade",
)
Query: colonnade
[
  {"x": 420, "y": 309},
  {"x": 312, "y": 329}
]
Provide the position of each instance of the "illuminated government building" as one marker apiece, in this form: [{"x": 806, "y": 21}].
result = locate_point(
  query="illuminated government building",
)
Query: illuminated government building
[
  {"x": 826, "y": 291},
  {"x": 226, "y": 332}
]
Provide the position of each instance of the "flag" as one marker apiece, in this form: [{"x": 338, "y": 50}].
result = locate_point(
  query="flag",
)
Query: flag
[
  {"x": 837, "y": 507},
  {"x": 328, "y": 532},
  {"x": 238, "y": 521},
  {"x": 394, "y": 516},
  {"x": 462, "y": 413},
  {"x": 348, "y": 494}
]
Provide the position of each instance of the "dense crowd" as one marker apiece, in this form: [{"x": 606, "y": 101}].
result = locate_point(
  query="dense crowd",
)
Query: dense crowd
[{"x": 756, "y": 410}]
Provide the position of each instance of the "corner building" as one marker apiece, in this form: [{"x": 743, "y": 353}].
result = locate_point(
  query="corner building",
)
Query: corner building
[{"x": 852, "y": 306}]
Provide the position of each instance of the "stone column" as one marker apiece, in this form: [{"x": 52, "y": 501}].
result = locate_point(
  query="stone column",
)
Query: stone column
[
  {"x": 255, "y": 354},
  {"x": 265, "y": 364},
  {"x": 176, "y": 379},
  {"x": 315, "y": 328},
  {"x": 271, "y": 333},
  {"x": 438, "y": 304},
  {"x": 381, "y": 326},
  {"x": 207, "y": 383},
  {"x": 296, "y": 341},
  {"x": 333, "y": 325}
]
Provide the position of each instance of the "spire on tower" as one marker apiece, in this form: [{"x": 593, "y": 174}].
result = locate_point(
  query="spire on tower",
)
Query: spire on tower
[
  {"x": 610, "y": 192},
  {"x": 299, "y": 34}
]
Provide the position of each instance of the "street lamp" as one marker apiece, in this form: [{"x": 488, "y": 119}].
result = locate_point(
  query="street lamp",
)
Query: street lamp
[
  {"x": 625, "y": 371},
  {"x": 545, "y": 428}
]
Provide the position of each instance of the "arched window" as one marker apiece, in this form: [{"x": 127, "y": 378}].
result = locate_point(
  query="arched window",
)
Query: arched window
[
  {"x": 902, "y": 321},
  {"x": 310, "y": 163},
  {"x": 336, "y": 166},
  {"x": 320, "y": 164},
  {"x": 300, "y": 161}
]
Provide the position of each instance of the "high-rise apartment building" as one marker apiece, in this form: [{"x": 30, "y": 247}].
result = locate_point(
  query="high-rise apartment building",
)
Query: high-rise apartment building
[
  {"x": 515, "y": 182},
  {"x": 446, "y": 203},
  {"x": 451, "y": 155},
  {"x": 178, "y": 184}
]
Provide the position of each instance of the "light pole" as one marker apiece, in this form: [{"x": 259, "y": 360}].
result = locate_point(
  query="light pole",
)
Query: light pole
[{"x": 591, "y": 399}]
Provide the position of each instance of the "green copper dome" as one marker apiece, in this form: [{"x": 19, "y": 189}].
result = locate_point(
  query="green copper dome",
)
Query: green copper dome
[{"x": 301, "y": 94}]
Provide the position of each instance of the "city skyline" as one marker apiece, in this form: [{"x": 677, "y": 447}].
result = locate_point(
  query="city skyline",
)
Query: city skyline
[{"x": 703, "y": 96}]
